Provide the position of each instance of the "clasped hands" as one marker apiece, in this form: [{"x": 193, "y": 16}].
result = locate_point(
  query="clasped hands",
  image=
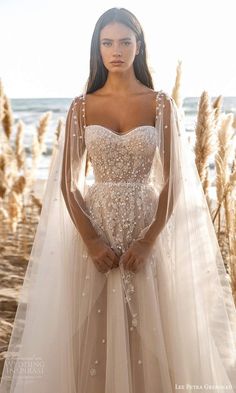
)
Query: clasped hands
[{"x": 106, "y": 259}]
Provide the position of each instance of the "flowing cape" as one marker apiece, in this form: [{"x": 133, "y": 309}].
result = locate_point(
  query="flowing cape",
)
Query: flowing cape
[{"x": 187, "y": 299}]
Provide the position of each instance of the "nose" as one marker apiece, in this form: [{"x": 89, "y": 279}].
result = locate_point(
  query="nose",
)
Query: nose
[
  {"x": 117, "y": 50},
  {"x": 117, "y": 54}
]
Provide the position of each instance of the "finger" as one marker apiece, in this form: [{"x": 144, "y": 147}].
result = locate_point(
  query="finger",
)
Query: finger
[
  {"x": 102, "y": 266},
  {"x": 116, "y": 259},
  {"x": 124, "y": 258},
  {"x": 108, "y": 261},
  {"x": 115, "y": 263},
  {"x": 130, "y": 262},
  {"x": 112, "y": 255},
  {"x": 136, "y": 267}
]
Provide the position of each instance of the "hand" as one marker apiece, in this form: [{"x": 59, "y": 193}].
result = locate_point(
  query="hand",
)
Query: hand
[
  {"x": 102, "y": 255},
  {"x": 136, "y": 255}
]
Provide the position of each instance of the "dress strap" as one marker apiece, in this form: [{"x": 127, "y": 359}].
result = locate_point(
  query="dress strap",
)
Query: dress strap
[
  {"x": 158, "y": 105},
  {"x": 78, "y": 123},
  {"x": 83, "y": 111}
]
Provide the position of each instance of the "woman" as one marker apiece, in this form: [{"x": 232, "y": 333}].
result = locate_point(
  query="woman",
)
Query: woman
[{"x": 126, "y": 289}]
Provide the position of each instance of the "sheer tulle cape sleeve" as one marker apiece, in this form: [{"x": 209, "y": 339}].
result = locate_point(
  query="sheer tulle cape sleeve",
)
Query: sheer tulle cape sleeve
[
  {"x": 40, "y": 342},
  {"x": 74, "y": 170},
  {"x": 187, "y": 260},
  {"x": 166, "y": 172},
  {"x": 50, "y": 321}
]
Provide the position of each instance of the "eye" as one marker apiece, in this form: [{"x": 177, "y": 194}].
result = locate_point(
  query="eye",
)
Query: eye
[
  {"x": 126, "y": 43},
  {"x": 106, "y": 43}
]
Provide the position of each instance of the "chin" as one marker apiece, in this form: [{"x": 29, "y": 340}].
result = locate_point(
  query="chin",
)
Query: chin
[{"x": 119, "y": 69}]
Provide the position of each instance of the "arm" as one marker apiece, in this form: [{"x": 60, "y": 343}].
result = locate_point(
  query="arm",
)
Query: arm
[
  {"x": 167, "y": 196},
  {"x": 78, "y": 216},
  {"x": 100, "y": 252}
]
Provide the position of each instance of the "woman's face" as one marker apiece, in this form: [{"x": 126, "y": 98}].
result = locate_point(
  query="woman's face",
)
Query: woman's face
[{"x": 118, "y": 47}]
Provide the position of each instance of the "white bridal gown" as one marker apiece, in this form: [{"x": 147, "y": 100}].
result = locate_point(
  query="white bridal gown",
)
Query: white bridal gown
[{"x": 169, "y": 327}]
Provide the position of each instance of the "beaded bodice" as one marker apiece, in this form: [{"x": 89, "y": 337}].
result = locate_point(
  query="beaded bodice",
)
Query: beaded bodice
[
  {"x": 121, "y": 200},
  {"x": 121, "y": 157}
]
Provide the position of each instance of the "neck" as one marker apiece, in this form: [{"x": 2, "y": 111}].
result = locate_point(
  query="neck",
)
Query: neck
[{"x": 121, "y": 83}]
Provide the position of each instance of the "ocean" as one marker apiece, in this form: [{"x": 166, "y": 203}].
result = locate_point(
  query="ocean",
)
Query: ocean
[{"x": 29, "y": 110}]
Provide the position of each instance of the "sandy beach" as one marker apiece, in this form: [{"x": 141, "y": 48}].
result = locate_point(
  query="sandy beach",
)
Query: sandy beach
[{"x": 13, "y": 264}]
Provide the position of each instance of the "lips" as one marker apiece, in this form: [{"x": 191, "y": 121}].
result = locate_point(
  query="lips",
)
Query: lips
[{"x": 117, "y": 62}]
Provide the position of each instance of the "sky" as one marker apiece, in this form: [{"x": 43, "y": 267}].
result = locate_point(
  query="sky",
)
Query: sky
[{"x": 45, "y": 44}]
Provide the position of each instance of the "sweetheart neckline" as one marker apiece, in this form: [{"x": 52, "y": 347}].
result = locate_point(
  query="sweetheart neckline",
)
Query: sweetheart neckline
[{"x": 119, "y": 133}]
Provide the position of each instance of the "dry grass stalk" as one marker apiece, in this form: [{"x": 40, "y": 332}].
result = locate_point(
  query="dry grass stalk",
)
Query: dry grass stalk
[
  {"x": 3, "y": 214},
  {"x": 3, "y": 226},
  {"x": 3, "y": 182},
  {"x": 2, "y": 162},
  {"x": 228, "y": 188},
  {"x": 232, "y": 248},
  {"x": 7, "y": 120},
  {"x": 36, "y": 202},
  {"x": 217, "y": 106},
  {"x": 204, "y": 135},
  {"x": 19, "y": 185},
  {"x": 35, "y": 154},
  {"x": 222, "y": 155},
  {"x": 206, "y": 185},
  {"x": 229, "y": 200},
  {"x": 232, "y": 176},
  {"x": 19, "y": 188},
  {"x": 230, "y": 212},
  {"x": 14, "y": 211},
  {"x": 60, "y": 124},
  {"x": 3, "y": 185},
  {"x": 41, "y": 130},
  {"x": 176, "y": 89},
  {"x": 234, "y": 122},
  {"x": 20, "y": 150},
  {"x": 9, "y": 154},
  {"x": 8, "y": 160},
  {"x": 59, "y": 127},
  {"x": 232, "y": 272}
]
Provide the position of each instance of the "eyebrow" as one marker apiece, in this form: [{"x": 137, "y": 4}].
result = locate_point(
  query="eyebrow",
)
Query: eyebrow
[{"x": 122, "y": 39}]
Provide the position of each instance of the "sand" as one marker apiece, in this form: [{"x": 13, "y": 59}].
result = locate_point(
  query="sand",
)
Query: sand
[{"x": 15, "y": 250}]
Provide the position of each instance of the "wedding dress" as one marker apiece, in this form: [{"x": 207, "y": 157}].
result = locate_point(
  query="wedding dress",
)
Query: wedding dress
[{"x": 172, "y": 325}]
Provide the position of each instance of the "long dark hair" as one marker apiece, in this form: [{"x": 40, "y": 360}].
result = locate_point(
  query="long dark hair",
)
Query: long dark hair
[{"x": 98, "y": 72}]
